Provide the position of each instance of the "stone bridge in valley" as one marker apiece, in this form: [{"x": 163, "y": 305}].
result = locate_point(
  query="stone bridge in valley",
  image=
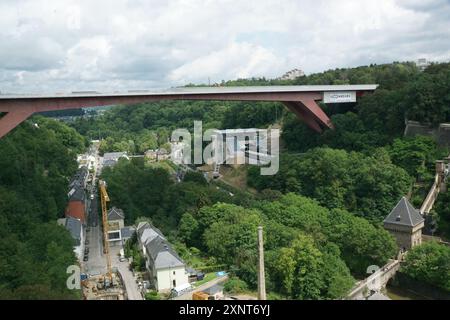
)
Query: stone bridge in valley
[
  {"x": 376, "y": 281},
  {"x": 301, "y": 100}
]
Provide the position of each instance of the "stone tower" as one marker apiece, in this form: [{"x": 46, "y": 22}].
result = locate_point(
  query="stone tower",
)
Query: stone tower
[{"x": 405, "y": 223}]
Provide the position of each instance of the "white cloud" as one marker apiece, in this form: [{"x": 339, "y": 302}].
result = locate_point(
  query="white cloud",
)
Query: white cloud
[
  {"x": 237, "y": 60},
  {"x": 111, "y": 45}
]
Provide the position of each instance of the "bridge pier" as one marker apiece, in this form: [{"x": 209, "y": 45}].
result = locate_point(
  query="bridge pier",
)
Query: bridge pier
[{"x": 13, "y": 119}]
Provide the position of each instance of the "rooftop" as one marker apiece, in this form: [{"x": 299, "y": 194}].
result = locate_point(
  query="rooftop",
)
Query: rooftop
[
  {"x": 127, "y": 232},
  {"x": 77, "y": 194},
  {"x": 162, "y": 254},
  {"x": 115, "y": 214},
  {"x": 404, "y": 214},
  {"x": 150, "y": 233},
  {"x": 74, "y": 227},
  {"x": 214, "y": 289},
  {"x": 113, "y": 155}
]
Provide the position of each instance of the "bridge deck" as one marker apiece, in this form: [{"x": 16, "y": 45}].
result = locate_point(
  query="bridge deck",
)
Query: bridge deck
[
  {"x": 195, "y": 91},
  {"x": 299, "y": 99}
]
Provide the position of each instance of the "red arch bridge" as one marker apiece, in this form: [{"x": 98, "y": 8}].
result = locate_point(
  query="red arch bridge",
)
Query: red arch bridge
[{"x": 302, "y": 100}]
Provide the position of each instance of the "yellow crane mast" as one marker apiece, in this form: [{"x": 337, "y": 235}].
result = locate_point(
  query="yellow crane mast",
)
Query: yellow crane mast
[{"x": 104, "y": 199}]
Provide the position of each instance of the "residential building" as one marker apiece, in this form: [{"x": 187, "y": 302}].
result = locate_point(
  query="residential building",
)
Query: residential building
[
  {"x": 405, "y": 223},
  {"x": 151, "y": 154},
  {"x": 126, "y": 233},
  {"x": 166, "y": 269},
  {"x": 116, "y": 215},
  {"x": 422, "y": 64},
  {"x": 110, "y": 159},
  {"x": 76, "y": 208},
  {"x": 86, "y": 160},
  {"x": 116, "y": 218},
  {"x": 76, "y": 230},
  {"x": 79, "y": 179},
  {"x": 157, "y": 155},
  {"x": 292, "y": 74},
  {"x": 162, "y": 154},
  {"x": 77, "y": 205},
  {"x": 146, "y": 233},
  {"x": 240, "y": 146}
]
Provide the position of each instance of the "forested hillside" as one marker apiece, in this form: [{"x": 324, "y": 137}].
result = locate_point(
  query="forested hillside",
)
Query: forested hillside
[
  {"x": 36, "y": 161},
  {"x": 321, "y": 212},
  {"x": 312, "y": 252}
]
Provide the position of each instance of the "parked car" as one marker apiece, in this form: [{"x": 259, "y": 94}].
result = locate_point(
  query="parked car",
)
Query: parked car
[
  {"x": 200, "y": 276},
  {"x": 86, "y": 257},
  {"x": 86, "y": 242}
]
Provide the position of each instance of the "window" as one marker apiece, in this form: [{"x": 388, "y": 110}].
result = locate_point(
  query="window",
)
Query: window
[
  {"x": 174, "y": 282},
  {"x": 174, "y": 273},
  {"x": 114, "y": 235}
]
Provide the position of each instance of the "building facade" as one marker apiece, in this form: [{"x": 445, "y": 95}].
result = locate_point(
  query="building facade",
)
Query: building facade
[
  {"x": 77, "y": 205},
  {"x": 116, "y": 218}
]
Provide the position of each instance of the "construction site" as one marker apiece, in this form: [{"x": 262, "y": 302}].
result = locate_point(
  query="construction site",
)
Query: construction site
[{"x": 108, "y": 286}]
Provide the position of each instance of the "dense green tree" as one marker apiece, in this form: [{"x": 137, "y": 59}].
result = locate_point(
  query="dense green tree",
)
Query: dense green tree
[
  {"x": 252, "y": 115},
  {"x": 430, "y": 263},
  {"x": 302, "y": 271},
  {"x": 427, "y": 99},
  {"x": 138, "y": 189},
  {"x": 361, "y": 244},
  {"x": 367, "y": 185},
  {"x": 195, "y": 176},
  {"x": 415, "y": 154},
  {"x": 188, "y": 228},
  {"x": 231, "y": 238},
  {"x": 37, "y": 161}
]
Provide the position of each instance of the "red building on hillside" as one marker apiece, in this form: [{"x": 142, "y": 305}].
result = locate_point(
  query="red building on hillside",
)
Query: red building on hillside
[{"x": 76, "y": 208}]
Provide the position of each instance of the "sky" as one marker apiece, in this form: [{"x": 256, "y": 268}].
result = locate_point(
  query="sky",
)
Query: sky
[{"x": 113, "y": 45}]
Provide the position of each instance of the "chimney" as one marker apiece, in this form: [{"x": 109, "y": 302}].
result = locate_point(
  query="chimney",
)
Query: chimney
[{"x": 261, "y": 276}]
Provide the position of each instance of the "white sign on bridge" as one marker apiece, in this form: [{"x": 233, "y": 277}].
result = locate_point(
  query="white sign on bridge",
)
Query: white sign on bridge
[{"x": 339, "y": 97}]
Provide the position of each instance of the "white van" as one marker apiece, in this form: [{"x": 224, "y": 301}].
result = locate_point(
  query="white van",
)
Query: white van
[
  {"x": 180, "y": 290},
  {"x": 122, "y": 256}
]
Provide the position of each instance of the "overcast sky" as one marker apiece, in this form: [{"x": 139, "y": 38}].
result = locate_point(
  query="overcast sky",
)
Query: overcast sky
[{"x": 112, "y": 45}]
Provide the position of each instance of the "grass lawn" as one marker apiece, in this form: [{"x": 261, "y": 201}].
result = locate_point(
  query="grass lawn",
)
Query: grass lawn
[{"x": 208, "y": 277}]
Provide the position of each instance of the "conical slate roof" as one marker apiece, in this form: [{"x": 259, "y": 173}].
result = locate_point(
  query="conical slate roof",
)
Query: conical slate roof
[{"x": 404, "y": 214}]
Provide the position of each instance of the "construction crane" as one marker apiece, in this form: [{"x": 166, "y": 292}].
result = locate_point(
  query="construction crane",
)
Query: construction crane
[{"x": 104, "y": 199}]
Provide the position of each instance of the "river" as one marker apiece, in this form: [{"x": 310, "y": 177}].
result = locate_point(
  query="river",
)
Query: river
[{"x": 396, "y": 293}]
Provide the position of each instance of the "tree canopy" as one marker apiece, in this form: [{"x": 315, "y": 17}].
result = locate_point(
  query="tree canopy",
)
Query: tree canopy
[{"x": 36, "y": 162}]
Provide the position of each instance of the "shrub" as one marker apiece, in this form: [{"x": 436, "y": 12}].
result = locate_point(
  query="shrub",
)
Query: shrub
[
  {"x": 152, "y": 295},
  {"x": 235, "y": 285}
]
